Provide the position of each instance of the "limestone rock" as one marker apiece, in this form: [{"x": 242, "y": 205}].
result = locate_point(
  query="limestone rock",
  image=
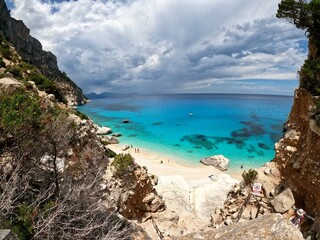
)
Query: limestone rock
[
  {"x": 112, "y": 140},
  {"x": 125, "y": 147},
  {"x": 283, "y": 201},
  {"x": 218, "y": 161},
  {"x": 104, "y": 130},
  {"x": 9, "y": 85},
  {"x": 292, "y": 137},
  {"x": 269, "y": 227},
  {"x": 7, "y": 234},
  {"x": 314, "y": 127}
]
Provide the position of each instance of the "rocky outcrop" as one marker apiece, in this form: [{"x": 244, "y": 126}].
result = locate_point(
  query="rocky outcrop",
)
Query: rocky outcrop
[
  {"x": 268, "y": 227},
  {"x": 218, "y": 161},
  {"x": 283, "y": 201},
  {"x": 132, "y": 194},
  {"x": 297, "y": 155},
  {"x": 9, "y": 85},
  {"x": 31, "y": 51}
]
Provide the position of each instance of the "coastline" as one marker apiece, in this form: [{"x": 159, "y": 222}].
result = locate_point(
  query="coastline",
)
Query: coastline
[
  {"x": 164, "y": 165},
  {"x": 189, "y": 194}
]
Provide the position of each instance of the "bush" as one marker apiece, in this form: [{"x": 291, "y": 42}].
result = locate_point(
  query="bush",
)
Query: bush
[
  {"x": 2, "y": 63},
  {"x": 44, "y": 84},
  {"x": 6, "y": 52},
  {"x": 18, "y": 110},
  {"x": 249, "y": 177},
  {"x": 15, "y": 71},
  {"x": 81, "y": 115},
  {"x": 310, "y": 76},
  {"x": 122, "y": 162}
]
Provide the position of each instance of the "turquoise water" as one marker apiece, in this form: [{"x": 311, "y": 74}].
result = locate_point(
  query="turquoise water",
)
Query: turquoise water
[{"x": 243, "y": 128}]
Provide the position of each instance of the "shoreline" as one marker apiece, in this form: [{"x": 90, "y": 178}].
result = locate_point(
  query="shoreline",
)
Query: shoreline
[{"x": 165, "y": 165}]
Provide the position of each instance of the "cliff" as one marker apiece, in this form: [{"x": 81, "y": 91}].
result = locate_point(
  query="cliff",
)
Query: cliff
[
  {"x": 298, "y": 154},
  {"x": 30, "y": 49}
]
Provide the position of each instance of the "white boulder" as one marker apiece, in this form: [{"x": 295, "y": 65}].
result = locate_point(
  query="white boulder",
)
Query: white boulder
[
  {"x": 125, "y": 147},
  {"x": 218, "y": 161},
  {"x": 104, "y": 130}
]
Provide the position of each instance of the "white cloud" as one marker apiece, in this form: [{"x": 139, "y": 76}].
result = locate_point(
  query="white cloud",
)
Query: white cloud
[{"x": 164, "y": 45}]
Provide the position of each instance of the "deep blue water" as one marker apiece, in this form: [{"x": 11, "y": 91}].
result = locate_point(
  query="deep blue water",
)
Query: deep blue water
[{"x": 243, "y": 128}]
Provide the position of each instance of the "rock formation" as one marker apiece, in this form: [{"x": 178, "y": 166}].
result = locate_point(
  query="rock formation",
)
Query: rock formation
[
  {"x": 267, "y": 227},
  {"x": 218, "y": 161},
  {"x": 30, "y": 49},
  {"x": 297, "y": 155}
]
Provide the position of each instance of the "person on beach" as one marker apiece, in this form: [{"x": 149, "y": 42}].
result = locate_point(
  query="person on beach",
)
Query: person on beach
[{"x": 298, "y": 218}]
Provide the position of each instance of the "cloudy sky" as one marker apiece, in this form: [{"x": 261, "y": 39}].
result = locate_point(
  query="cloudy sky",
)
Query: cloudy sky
[{"x": 168, "y": 46}]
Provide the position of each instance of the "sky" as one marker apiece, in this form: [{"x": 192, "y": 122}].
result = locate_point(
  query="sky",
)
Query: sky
[{"x": 169, "y": 46}]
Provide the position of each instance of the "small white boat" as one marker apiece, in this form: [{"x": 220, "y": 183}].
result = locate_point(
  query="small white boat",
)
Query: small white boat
[{"x": 190, "y": 114}]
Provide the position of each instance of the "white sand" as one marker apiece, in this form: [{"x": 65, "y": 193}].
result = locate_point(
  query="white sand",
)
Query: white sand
[{"x": 187, "y": 190}]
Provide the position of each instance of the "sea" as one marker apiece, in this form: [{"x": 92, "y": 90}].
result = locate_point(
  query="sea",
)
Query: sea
[{"x": 189, "y": 127}]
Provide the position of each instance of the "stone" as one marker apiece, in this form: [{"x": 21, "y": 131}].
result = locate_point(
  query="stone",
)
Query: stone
[
  {"x": 7, "y": 234},
  {"x": 112, "y": 140},
  {"x": 149, "y": 198},
  {"x": 267, "y": 171},
  {"x": 125, "y": 147},
  {"x": 228, "y": 221},
  {"x": 218, "y": 161},
  {"x": 117, "y": 134},
  {"x": 292, "y": 137},
  {"x": 283, "y": 201},
  {"x": 154, "y": 179},
  {"x": 104, "y": 131},
  {"x": 269, "y": 227},
  {"x": 216, "y": 218},
  {"x": 314, "y": 128},
  {"x": 9, "y": 85}
]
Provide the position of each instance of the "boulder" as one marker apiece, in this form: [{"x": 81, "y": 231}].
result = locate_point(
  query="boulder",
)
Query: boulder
[
  {"x": 125, "y": 147},
  {"x": 218, "y": 161},
  {"x": 314, "y": 127},
  {"x": 283, "y": 201},
  {"x": 9, "y": 85},
  {"x": 104, "y": 130},
  {"x": 112, "y": 140},
  {"x": 269, "y": 227}
]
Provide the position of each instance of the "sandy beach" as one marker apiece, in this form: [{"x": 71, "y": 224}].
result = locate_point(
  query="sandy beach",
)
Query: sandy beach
[
  {"x": 187, "y": 190},
  {"x": 162, "y": 165}
]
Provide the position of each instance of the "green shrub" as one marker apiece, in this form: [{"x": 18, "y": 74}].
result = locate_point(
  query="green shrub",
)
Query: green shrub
[
  {"x": 15, "y": 71},
  {"x": 44, "y": 84},
  {"x": 310, "y": 76},
  {"x": 122, "y": 162},
  {"x": 249, "y": 177},
  {"x": 19, "y": 109},
  {"x": 6, "y": 53},
  {"x": 2, "y": 63},
  {"x": 80, "y": 114}
]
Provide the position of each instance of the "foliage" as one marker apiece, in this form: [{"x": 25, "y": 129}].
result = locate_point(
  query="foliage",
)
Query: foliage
[
  {"x": 80, "y": 114},
  {"x": 19, "y": 109},
  {"x": 44, "y": 84},
  {"x": 2, "y": 63},
  {"x": 6, "y": 52},
  {"x": 110, "y": 153},
  {"x": 310, "y": 76},
  {"x": 249, "y": 177},
  {"x": 304, "y": 14},
  {"x": 15, "y": 71},
  {"x": 122, "y": 162}
]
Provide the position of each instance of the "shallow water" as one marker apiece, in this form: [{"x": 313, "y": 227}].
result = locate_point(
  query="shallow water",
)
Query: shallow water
[{"x": 243, "y": 128}]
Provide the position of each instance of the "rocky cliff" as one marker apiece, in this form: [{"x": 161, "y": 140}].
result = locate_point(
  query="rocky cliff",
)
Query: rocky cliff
[
  {"x": 298, "y": 154},
  {"x": 30, "y": 49}
]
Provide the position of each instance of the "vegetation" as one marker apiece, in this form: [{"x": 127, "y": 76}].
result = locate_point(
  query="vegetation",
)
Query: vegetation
[
  {"x": 122, "y": 162},
  {"x": 306, "y": 15},
  {"x": 249, "y": 177},
  {"x": 19, "y": 110},
  {"x": 44, "y": 84},
  {"x": 2, "y": 63}
]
